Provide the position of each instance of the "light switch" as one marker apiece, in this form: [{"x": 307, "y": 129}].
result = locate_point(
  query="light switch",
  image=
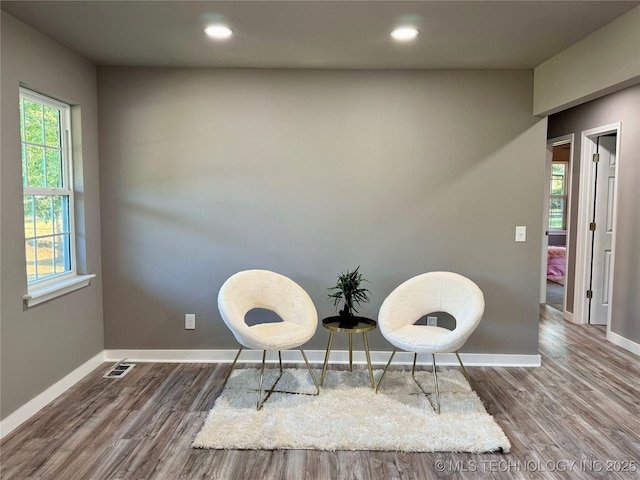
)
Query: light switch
[{"x": 521, "y": 233}]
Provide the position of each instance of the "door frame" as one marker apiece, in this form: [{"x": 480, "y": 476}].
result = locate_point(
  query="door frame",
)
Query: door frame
[
  {"x": 552, "y": 142},
  {"x": 585, "y": 202}
]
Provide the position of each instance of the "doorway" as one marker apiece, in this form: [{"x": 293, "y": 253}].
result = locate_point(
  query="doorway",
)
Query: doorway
[
  {"x": 557, "y": 220},
  {"x": 596, "y": 224}
]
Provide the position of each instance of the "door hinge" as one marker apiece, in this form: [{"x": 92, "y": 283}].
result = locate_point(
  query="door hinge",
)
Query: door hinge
[
  {"x": 596, "y": 157},
  {"x": 592, "y": 226},
  {"x": 589, "y": 294}
]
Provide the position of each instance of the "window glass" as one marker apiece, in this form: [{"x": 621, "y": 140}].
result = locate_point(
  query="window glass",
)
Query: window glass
[
  {"x": 558, "y": 197},
  {"x": 47, "y": 192}
]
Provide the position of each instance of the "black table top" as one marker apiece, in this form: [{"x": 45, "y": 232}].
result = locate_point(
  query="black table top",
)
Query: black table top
[{"x": 359, "y": 325}]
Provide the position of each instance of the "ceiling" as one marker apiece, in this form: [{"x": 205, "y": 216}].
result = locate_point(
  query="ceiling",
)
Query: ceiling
[{"x": 318, "y": 34}]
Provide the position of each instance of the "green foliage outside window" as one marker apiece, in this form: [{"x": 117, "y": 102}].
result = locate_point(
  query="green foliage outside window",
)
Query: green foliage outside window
[
  {"x": 46, "y": 192},
  {"x": 40, "y": 133}
]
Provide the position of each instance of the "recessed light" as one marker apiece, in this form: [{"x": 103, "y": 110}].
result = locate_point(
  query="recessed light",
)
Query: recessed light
[
  {"x": 405, "y": 33},
  {"x": 218, "y": 31}
]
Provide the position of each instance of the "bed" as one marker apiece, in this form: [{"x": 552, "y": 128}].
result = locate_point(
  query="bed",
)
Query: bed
[{"x": 556, "y": 264}]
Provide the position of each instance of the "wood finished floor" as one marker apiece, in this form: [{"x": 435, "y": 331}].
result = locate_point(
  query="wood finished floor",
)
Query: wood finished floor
[{"x": 581, "y": 406}]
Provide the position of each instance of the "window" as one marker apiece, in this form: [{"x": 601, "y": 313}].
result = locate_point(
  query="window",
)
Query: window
[
  {"x": 558, "y": 198},
  {"x": 48, "y": 197}
]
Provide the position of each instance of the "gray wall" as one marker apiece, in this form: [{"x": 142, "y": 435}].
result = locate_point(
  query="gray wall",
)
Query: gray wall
[
  {"x": 41, "y": 345},
  {"x": 605, "y": 61},
  {"x": 207, "y": 172},
  {"x": 623, "y": 106}
]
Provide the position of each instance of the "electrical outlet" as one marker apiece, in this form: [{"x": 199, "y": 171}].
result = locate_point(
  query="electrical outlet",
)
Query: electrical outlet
[
  {"x": 432, "y": 321},
  {"x": 521, "y": 233},
  {"x": 189, "y": 321}
]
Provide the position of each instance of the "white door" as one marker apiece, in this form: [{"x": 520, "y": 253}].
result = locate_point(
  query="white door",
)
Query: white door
[{"x": 602, "y": 237}]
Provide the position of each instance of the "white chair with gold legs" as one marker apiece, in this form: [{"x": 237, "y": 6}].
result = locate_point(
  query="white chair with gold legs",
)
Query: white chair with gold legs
[
  {"x": 419, "y": 296},
  {"x": 251, "y": 289}
]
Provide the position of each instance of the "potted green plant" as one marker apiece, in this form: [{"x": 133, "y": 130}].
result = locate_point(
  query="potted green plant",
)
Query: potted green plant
[{"x": 349, "y": 290}]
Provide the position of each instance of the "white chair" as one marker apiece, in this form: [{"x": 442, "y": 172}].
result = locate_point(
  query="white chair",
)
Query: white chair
[
  {"x": 419, "y": 296},
  {"x": 251, "y": 289}
]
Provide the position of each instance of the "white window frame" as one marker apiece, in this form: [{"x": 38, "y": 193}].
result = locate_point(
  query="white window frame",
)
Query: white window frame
[{"x": 39, "y": 291}]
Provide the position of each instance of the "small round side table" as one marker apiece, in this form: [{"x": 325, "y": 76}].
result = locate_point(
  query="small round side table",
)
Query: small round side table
[{"x": 361, "y": 325}]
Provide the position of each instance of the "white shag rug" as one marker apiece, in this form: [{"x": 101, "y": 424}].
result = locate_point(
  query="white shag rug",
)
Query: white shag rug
[{"x": 349, "y": 415}]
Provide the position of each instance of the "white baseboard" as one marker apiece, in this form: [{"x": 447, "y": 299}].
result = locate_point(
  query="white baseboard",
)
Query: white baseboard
[
  {"x": 22, "y": 414},
  {"x": 567, "y": 316},
  {"x": 623, "y": 342},
  {"x": 317, "y": 357}
]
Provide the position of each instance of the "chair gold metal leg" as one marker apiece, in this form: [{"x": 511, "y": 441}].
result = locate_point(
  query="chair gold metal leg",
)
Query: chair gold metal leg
[
  {"x": 413, "y": 370},
  {"x": 366, "y": 350},
  {"x": 326, "y": 358},
  {"x": 464, "y": 371},
  {"x": 424, "y": 392},
  {"x": 272, "y": 389},
  {"x": 351, "y": 352},
  {"x": 313, "y": 377},
  {"x": 435, "y": 381},
  {"x": 384, "y": 372},
  {"x": 231, "y": 368},
  {"x": 259, "y": 403}
]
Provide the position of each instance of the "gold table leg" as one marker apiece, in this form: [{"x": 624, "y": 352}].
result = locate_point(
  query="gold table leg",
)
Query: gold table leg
[
  {"x": 326, "y": 359},
  {"x": 351, "y": 352},
  {"x": 366, "y": 350}
]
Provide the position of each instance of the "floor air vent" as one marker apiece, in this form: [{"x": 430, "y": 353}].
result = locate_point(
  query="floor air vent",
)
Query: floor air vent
[{"x": 119, "y": 370}]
